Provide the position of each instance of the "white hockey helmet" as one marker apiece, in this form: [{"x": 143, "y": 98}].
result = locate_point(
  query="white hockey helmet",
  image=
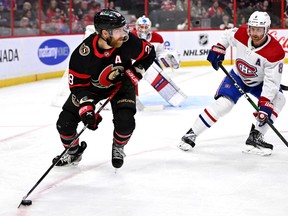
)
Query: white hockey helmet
[
  {"x": 260, "y": 19},
  {"x": 143, "y": 28}
]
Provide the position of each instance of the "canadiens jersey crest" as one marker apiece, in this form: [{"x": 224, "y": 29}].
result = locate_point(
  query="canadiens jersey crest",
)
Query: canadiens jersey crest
[{"x": 245, "y": 69}]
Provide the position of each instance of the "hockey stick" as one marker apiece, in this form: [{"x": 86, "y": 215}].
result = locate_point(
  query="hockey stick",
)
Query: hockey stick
[
  {"x": 26, "y": 202},
  {"x": 284, "y": 87},
  {"x": 252, "y": 103}
]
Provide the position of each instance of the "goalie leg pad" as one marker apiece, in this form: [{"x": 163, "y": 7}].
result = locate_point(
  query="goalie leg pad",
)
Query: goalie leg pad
[{"x": 164, "y": 85}]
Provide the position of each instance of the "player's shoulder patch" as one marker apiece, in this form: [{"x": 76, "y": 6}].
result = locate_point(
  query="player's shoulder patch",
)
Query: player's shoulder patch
[
  {"x": 241, "y": 35},
  {"x": 84, "y": 50},
  {"x": 273, "y": 51}
]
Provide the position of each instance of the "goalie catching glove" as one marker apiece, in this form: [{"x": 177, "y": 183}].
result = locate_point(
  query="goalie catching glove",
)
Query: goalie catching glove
[
  {"x": 87, "y": 114},
  {"x": 265, "y": 110},
  {"x": 216, "y": 55},
  {"x": 135, "y": 74}
]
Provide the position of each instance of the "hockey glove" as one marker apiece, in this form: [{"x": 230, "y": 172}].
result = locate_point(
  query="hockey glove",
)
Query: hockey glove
[
  {"x": 87, "y": 115},
  {"x": 135, "y": 74},
  {"x": 216, "y": 55},
  {"x": 116, "y": 77},
  {"x": 265, "y": 110}
]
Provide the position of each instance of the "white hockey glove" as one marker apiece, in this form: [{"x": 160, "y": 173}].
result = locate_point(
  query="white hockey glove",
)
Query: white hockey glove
[{"x": 170, "y": 58}]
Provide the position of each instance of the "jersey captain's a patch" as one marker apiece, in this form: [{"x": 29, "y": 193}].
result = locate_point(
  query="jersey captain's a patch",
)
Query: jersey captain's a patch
[{"x": 84, "y": 50}]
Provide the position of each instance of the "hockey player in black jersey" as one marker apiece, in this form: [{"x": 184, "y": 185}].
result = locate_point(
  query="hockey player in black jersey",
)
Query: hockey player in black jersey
[{"x": 99, "y": 64}]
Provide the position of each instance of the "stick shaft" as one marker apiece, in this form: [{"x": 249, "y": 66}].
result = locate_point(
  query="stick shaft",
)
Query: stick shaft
[
  {"x": 253, "y": 104},
  {"x": 71, "y": 144}
]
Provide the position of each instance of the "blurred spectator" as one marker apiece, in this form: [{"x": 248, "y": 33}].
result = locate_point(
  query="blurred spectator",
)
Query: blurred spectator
[
  {"x": 216, "y": 20},
  {"x": 6, "y": 5},
  {"x": 32, "y": 20},
  {"x": 181, "y": 5},
  {"x": 95, "y": 5},
  {"x": 88, "y": 18},
  {"x": 154, "y": 5},
  {"x": 56, "y": 22},
  {"x": 4, "y": 16},
  {"x": 229, "y": 9},
  {"x": 51, "y": 10},
  {"x": 265, "y": 6},
  {"x": 198, "y": 10},
  {"x": 132, "y": 22},
  {"x": 35, "y": 11},
  {"x": 24, "y": 28},
  {"x": 168, "y": 5},
  {"x": 111, "y": 4},
  {"x": 215, "y": 10},
  {"x": 56, "y": 26},
  {"x": 285, "y": 23},
  {"x": 286, "y": 11},
  {"x": 242, "y": 4},
  {"x": 242, "y": 20},
  {"x": 76, "y": 23},
  {"x": 226, "y": 24},
  {"x": 25, "y": 7},
  {"x": 183, "y": 26},
  {"x": 81, "y": 9}
]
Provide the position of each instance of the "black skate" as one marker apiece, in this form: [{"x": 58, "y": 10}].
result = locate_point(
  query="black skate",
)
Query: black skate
[
  {"x": 117, "y": 155},
  {"x": 255, "y": 143},
  {"x": 71, "y": 159},
  {"x": 187, "y": 141}
]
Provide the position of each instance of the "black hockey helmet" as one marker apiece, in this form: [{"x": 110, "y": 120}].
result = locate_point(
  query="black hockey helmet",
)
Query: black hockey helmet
[{"x": 108, "y": 19}]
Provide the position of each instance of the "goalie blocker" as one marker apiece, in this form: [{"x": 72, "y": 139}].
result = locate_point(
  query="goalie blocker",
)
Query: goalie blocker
[{"x": 164, "y": 85}]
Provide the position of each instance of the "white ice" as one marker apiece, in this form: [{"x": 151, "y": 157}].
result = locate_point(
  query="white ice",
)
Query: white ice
[{"x": 157, "y": 179}]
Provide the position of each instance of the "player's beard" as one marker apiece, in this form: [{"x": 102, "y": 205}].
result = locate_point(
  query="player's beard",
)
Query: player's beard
[
  {"x": 116, "y": 43},
  {"x": 257, "y": 40}
]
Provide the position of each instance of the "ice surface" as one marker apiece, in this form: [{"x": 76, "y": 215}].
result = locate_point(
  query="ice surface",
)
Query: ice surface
[{"x": 157, "y": 179}]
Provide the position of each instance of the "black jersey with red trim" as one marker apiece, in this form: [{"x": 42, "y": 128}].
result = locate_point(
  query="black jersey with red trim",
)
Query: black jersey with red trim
[{"x": 91, "y": 69}]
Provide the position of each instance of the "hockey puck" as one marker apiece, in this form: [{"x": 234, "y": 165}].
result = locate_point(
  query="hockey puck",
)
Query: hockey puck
[{"x": 26, "y": 202}]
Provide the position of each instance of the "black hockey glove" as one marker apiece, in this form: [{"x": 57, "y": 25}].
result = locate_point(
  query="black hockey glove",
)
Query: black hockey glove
[
  {"x": 118, "y": 77},
  {"x": 86, "y": 112},
  {"x": 135, "y": 74}
]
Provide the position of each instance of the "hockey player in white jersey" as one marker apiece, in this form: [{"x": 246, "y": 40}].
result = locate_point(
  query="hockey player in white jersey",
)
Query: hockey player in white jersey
[
  {"x": 257, "y": 70},
  {"x": 160, "y": 81}
]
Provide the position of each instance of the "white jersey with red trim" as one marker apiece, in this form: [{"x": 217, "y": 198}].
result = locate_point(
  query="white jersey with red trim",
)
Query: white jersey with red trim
[{"x": 256, "y": 65}]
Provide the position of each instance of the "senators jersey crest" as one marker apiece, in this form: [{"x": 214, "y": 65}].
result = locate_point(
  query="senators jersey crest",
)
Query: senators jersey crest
[{"x": 109, "y": 74}]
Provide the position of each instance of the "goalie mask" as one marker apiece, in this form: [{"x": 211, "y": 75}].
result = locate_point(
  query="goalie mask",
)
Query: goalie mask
[
  {"x": 260, "y": 19},
  {"x": 143, "y": 27}
]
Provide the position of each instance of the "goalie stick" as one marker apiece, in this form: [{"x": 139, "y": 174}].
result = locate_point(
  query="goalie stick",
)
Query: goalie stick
[
  {"x": 24, "y": 200},
  {"x": 252, "y": 103}
]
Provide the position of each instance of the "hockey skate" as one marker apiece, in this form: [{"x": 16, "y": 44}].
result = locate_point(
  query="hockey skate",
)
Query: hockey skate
[
  {"x": 118, "y": 155},
  {"x": 187, "y": 141},
  {"x": 71, "y": 159},
  {"x": 255, "y": 144}
]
